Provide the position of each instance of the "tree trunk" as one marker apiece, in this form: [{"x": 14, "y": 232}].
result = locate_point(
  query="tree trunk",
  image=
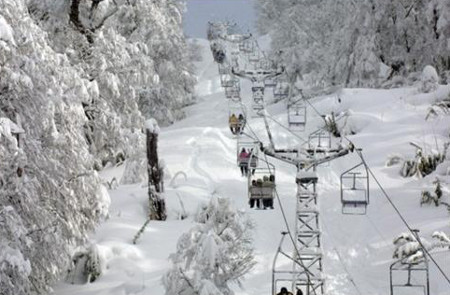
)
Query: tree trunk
[
  {"x": 75, "y": 19},
  {"x": 156, "y": 202}
]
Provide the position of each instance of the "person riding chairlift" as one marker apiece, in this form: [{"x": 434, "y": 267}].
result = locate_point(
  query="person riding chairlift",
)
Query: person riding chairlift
[
  {"x": 241, "y": 121},
  {"x": 268, "y": 182},
  {"x": 284, "y": 291},
  {"x": 234, "y": 123},
  {"x": 253, "y": 161},
  {"x": 252, "y": 201},
  {"x": 243, "y": 161}
]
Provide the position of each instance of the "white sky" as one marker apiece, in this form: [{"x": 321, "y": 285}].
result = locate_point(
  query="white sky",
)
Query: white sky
[{"x": 199, "y": 12}]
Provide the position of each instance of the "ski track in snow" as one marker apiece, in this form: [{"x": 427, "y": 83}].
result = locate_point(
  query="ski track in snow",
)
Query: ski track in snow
[{"x": 357, "y": 249}]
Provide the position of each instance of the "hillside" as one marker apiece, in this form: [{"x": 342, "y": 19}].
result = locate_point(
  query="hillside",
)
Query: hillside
[{"x": 357, "y": 249}]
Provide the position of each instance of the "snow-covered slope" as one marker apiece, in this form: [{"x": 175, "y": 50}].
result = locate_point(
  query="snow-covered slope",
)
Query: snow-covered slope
[{"x": 357, "y": 249}]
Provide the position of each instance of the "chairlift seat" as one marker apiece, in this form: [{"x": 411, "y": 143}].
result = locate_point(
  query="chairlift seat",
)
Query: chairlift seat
[
  {"x": 270, "y": 83},
  {"x": 244, "y": 161},
  {"x": 254, "y": 57},
  {"x": 257, "y": 192},
  {"x": 297, "y": 116},
  {"x": 355, "y": 190},
  {"x": 223, "y": 70},
  {"x": 306, "y": 177}
]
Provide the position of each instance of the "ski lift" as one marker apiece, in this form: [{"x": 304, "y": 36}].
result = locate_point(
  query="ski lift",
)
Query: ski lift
[
  {"x": 304, "y": 178},
  {"x": 265, "y": 64},
  {"x": 297, "y": 116},
  {"x": 252, "y": 148},
  {"x": 224, "y": 69},
  {"x": 302, "y": 276},
  {"x": 233, "y": 92},
  {"x": 246, "y": 46},
  {"x": 413, "y": 274},
  {"x": 261, "y": 186},
  {"x": 281, "y": 89},
  {"x": 355, "y": 190},
  {"x": 227, "y": 80},
  {"x": 258, "y": 93},
  {"x": 270, "y": 82},
  {"x": 254, "y": 56},
  {"x": 237, "y": 118},
  {"x": 319, "y": 139},
  {"x": 257, "y": 109},
  {"x": 235, "y": 62}
]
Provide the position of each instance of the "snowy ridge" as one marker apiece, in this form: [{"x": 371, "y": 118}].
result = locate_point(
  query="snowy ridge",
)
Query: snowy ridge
[{"x": 357, "y": 250}]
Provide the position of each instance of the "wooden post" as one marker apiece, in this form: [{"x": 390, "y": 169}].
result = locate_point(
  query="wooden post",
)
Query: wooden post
[{"x": 157, "y": 210}]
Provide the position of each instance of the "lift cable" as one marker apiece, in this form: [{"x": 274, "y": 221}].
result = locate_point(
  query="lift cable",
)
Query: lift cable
[
  {"x": 373, "y": 176},
  {"x": 388, "y": 198},
  {"x": 402, "y": 218},
  {"x": 391, "y": 202},
  {"x": 344, "y": 267},
  {"x": 287, "y": 129}
]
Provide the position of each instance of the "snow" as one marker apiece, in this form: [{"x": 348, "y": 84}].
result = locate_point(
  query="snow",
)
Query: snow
[
  {"x": 200, "y": 158},
  {"x": 6, "y": 32},
  {"x": 152, "y": 126},
  {"x": 429, "y": 79}
]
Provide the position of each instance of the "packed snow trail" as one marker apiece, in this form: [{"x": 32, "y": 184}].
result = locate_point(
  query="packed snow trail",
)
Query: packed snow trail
[{"x": 357, "y": 249}]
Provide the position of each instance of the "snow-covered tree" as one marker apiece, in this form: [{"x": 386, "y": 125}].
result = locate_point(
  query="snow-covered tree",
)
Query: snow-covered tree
[
  {"x": 358, "y": 43},
  {"x": 135, "y": 57},
  {"x": 79, "y": 77},
  {"x": 429, "y": 79},
  {"x": 217, "y": 251},
  {"x": 409, "y": 250}
]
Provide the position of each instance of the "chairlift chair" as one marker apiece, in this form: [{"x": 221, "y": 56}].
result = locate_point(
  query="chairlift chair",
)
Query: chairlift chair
[
  {"x": 261, "y": 186},
  {"x": 227, "y": 80},
  {"x": 224, "y": 69},
  {"x": 257, "y": 109},
  {"x": 254, "y": 56},
  {"x": 258, "y": 93},
  {"x": 409, "y": 278},
  {"x": 233, "y": 92},
  {"x": 270, "y": 82},
  {"x": 319, "y": 139},
  {"x": 250, "y": 146},
  {"x": 297, "y": 116},
  {"x": 355, "y": 190},
  {"x": 246, "y": 46},
  {"x": 235, "y": 108},
  {"x": 293, "y": 278},
  {"x": 281, "y": 90},
  {"x": 228, "y": 92},
  {"x": 265, "y": 64}
]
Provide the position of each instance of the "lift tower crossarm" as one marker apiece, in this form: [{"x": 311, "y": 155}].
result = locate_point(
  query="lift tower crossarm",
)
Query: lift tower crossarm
[
  {"x": 257, "y": 75},
  {"x": 305, "y": 163}
]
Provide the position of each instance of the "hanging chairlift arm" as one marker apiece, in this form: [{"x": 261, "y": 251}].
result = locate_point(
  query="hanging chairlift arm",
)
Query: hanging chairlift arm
[
  {"x": 306, "y": 164},
  {"x": 253, "y": 76},
  {"x": 245, "y": 75},
  {"x": 314, "y": 162}
]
